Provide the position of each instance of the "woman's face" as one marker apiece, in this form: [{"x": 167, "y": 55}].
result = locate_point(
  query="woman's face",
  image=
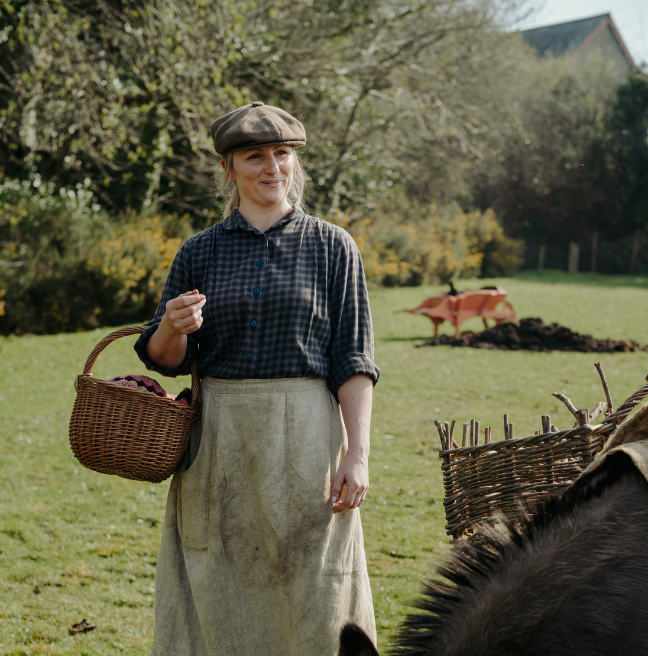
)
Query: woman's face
[{"x": 263, "y": 175}]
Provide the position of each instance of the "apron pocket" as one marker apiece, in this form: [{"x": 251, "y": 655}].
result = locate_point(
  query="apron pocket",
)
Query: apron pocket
[{"x": 194, "y": 485}]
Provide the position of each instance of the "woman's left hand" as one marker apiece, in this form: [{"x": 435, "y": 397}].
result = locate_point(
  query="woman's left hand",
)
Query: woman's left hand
[{"x": 353, "y": 476}]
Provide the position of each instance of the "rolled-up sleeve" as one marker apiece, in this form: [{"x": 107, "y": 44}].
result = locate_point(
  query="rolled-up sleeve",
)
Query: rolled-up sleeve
[
  {"x": 178, "y": 282},
  {"x": 351, "y": 348}
]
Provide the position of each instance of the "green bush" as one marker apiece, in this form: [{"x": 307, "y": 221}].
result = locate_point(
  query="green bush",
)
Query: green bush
[
  {"x": 418, "y": 244},
  {"x": 43, "y": 240},
  {"x": 503, "y": 256},
  {"x": 133, "y": 257},
  {"x": 67, "y": 266}
]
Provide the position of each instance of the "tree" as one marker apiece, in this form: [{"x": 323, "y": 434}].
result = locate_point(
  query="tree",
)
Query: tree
[
  {"x": 394, "y": 95},
  {"x": 561, "y": 165},
  {"x": 628, "y": 137}
]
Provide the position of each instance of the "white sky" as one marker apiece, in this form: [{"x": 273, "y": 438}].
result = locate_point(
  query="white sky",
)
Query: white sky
[{"x": 630, "y": 17}]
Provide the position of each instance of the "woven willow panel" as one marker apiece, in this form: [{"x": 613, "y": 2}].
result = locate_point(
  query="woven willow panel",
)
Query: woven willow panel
[{"x": 498, "y": 478}]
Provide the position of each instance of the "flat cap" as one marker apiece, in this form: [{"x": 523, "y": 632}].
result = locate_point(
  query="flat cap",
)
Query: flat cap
[{"x": 254, "y": 126}]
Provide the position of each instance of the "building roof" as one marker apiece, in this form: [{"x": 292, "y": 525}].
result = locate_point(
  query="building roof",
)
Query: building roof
[{"x": 573, "y": 37}]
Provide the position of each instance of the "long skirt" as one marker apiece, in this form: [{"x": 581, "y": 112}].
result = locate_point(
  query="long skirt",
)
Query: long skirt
[{"x": 253, "y": 561}]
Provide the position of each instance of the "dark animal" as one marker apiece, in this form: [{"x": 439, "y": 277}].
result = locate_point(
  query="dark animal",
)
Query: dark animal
[{"x": 573, "y": 581}]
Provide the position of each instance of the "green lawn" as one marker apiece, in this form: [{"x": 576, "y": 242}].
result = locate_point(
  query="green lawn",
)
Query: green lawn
[{"x": 74, "y": 543}]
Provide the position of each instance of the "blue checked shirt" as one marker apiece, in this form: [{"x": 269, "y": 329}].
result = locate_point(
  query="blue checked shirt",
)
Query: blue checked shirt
[{"x": 289, "y": 302}]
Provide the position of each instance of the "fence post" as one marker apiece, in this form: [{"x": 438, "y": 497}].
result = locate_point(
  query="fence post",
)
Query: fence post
[
  {"x": 595, "y": 237},
  {"x": 574, "y": 251},
  {"x": 541, "y": 257},
  {"x": 636, "y": 244}
]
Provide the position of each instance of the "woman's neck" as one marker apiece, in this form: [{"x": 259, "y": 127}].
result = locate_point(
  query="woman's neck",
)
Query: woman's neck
[{"x": 263, "y": 218}]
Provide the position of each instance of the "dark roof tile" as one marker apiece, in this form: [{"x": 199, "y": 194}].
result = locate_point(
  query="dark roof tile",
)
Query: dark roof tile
[{"x": 563, "y": 38}]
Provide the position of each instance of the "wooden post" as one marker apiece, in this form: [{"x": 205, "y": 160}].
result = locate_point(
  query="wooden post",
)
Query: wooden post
[
  {"x": 546, "y": 428},
  {"x": 582, "y": 419},
  {"x": 541, "y": 257},
  {"x": 546, "y": 424},
  {"x": 636, "y": 244},
  {"x": 595, "y": 237},
  {"x": 574, "y": 252},
  {"x": 444, "y": 443}
]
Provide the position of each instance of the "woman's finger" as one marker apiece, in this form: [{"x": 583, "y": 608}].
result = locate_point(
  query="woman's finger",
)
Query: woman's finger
[
  {"x": 184, "y": 301},
  {"x": 193, "y": 328},
  {"x": 190, "y": 310},
  {"x": 193, "y": 291},
  {"x": 336, "y": 491},
  {"x": 358, "y": 497},
  {"x": 349, "y": 499},
  {"x": 186, "y": 312},
  {"x": 191, "y": 320},
  {"x": 181, "y": 321}
]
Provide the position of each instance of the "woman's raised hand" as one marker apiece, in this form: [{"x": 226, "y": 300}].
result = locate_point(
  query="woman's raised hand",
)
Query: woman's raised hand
[{"x": 183, "y": 314}]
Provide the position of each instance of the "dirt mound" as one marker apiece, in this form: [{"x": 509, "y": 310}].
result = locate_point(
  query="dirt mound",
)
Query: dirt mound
[{"x": 534, "y": 335}]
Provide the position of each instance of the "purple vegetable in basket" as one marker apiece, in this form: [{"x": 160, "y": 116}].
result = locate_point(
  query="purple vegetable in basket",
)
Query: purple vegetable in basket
[{"x": 146, "y": 384}]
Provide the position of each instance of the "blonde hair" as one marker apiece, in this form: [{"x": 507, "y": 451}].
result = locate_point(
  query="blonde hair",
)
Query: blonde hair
[{"x": 230, "y": 191}]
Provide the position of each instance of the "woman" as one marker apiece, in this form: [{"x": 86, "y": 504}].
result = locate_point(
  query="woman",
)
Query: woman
[{"x": 262, "y": 550}]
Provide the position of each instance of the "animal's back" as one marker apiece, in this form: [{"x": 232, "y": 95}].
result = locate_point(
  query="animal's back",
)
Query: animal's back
[{"x": 573, "y": 582}]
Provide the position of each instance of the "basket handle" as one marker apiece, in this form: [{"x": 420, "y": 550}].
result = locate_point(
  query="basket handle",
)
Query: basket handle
[{"x": 137, "y": 330}]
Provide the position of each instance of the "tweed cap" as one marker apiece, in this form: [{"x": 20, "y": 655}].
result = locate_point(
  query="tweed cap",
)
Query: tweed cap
[{"x": 256, "y": 125}]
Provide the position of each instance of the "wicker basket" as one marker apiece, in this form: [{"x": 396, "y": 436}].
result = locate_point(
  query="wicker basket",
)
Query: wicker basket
[
  {"x": 131, "y": 433},
  {"x": 487, "y": 480}
]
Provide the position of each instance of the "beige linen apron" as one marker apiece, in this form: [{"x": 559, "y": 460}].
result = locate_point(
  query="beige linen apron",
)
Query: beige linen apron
[{"x": 253, "y": 562}]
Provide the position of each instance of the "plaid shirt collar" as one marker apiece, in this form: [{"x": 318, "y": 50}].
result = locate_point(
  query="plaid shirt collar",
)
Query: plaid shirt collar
[{"x": 235, "y": 221}]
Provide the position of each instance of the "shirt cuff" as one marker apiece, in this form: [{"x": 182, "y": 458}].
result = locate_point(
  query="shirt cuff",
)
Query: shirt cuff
[
  {"x": 351, "y": 364},
  {"x": 183, "y": 369}
]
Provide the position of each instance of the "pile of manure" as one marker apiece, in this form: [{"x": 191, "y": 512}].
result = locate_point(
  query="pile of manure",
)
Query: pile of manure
[{"x": 534, "y": 335}]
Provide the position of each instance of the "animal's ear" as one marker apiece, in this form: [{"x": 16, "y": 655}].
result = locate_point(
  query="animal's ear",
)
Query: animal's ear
[{"x": 355, "y": 642}]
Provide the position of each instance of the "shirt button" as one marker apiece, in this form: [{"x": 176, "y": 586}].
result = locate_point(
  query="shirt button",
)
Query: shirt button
[
  {"x": 259, "y": 262},
  {"x": 254, "y": 323},
  {"x": 256, "y": 290},
  {"x": 250, "y": 356}
]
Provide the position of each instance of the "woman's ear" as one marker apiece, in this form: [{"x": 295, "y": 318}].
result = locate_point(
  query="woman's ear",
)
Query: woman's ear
[{"x": 231, "y": 175}]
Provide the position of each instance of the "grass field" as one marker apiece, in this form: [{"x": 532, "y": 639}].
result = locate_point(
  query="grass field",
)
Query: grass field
[{"x": 74, "y": 543}]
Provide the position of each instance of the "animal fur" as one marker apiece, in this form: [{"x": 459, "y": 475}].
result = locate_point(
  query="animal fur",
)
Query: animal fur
[{"x": 573, "y": 581}]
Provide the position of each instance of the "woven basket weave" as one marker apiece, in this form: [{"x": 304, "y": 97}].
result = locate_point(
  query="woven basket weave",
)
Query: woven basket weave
[
  {"x": 492, "y": 479},
  {"x": 130, "y": 433}
]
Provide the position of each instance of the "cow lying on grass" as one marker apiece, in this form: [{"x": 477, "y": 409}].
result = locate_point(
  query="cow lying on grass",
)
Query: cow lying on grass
[{"x": 572, "y": 582}]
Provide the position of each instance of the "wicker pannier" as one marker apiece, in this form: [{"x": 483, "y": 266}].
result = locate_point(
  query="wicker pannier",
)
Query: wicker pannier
[
  {"x": 127, "y": 432},
  {"x": 484, "y": 481}
]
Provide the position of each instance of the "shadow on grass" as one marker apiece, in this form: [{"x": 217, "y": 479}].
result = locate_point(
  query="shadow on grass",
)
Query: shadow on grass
[{"x": 551, "y": 277}]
